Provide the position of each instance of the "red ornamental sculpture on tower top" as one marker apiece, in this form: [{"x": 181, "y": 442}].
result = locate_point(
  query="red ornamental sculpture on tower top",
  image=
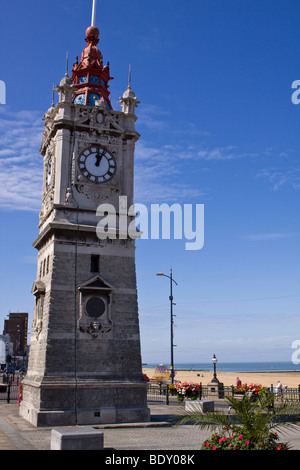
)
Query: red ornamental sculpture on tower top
[{"x": 90, "y": 77}]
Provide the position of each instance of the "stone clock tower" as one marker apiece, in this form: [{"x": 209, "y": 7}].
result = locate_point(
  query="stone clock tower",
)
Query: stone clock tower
[{"x": 85, "y": 361}]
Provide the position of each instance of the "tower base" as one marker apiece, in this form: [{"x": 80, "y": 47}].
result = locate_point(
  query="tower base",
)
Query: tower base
[
  {"x": 86, "y": 404},
  {"x": 84, "y": 417}
]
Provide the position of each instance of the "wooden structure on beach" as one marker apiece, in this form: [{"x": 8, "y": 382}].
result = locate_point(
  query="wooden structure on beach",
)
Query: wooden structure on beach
[{"x": 161, "y": 374}]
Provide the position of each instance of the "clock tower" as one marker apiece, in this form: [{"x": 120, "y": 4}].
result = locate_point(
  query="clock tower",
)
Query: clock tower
[{"x": 85, "y": 359}]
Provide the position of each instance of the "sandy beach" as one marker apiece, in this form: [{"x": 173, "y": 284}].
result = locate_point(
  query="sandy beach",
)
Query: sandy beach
[{"x": 266, "y": 379}]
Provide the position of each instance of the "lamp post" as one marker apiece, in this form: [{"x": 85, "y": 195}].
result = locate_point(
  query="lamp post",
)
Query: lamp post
[
  {"x": 214, "y": 361},
  {"x": 215, "y": 387},
  {"x": 171, "y": 319}
]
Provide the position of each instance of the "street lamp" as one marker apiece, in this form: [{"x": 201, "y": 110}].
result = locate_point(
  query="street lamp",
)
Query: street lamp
[
  {"x": 214, "y": 361},
  {"x": 171, "y": 319},
  {"x": 215, "y": 387}
]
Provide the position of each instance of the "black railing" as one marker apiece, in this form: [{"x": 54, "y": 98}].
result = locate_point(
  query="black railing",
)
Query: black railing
[
  {"x": 162, "y": 392},
  {"x": 9, "y": 392},
  {"x": 158, "y": 393}
]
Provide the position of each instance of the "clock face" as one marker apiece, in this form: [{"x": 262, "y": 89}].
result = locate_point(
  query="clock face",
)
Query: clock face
[{"x": 97, "y": 164}]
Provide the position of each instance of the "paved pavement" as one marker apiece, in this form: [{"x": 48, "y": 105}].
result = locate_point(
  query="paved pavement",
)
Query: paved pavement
[
  {"x": 159, "y": 434},
  {"x": 18, "y": 434}
]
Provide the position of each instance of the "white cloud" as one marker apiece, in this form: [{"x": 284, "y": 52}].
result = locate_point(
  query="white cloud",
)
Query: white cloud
[
  {"x": 223, "y": 153},
  {"x": 278, "y": 178},
  {"x": 152, "y": 117},
  {"x": 158, "y": 176},
  {"x": 20, "y": 160}
]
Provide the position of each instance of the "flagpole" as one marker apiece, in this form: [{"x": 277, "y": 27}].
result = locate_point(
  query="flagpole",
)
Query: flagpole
[{"x": 94, "y": 13}]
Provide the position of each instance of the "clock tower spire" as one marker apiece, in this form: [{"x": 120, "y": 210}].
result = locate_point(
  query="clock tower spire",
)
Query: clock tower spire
[
  {"x": 90, "y": 77},
  {"x": 85, "y": 359}
]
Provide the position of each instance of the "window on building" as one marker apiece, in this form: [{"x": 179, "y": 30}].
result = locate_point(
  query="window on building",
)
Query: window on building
[{"x": 95, "y": 261}]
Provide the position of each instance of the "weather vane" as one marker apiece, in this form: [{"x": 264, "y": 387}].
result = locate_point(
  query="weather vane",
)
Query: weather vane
[{"x": 93, "y": 23}]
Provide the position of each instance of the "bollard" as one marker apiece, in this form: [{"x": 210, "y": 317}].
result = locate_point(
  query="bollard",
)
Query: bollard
[
  {"x": 76, "y": 438},
  {"x": 200, "y": 391}
]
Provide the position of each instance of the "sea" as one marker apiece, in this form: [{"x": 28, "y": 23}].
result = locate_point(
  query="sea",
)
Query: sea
[{"x": 234, "y": 366}]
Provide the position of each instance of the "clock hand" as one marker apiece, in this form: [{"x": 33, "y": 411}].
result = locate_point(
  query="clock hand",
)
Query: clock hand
[{"x": 98, "y": 159}]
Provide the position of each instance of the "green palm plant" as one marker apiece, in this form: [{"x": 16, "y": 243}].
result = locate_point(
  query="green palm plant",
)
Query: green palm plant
[{"x": 257, "y": 420}]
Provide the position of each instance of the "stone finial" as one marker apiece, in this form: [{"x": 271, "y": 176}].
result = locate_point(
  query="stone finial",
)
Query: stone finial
[
  {"x": 129, "y": 101},
  {"x": 65, "y": 90}
]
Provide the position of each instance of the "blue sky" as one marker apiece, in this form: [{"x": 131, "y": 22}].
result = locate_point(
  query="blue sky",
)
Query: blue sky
[{"x": 218, "y": 128}]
